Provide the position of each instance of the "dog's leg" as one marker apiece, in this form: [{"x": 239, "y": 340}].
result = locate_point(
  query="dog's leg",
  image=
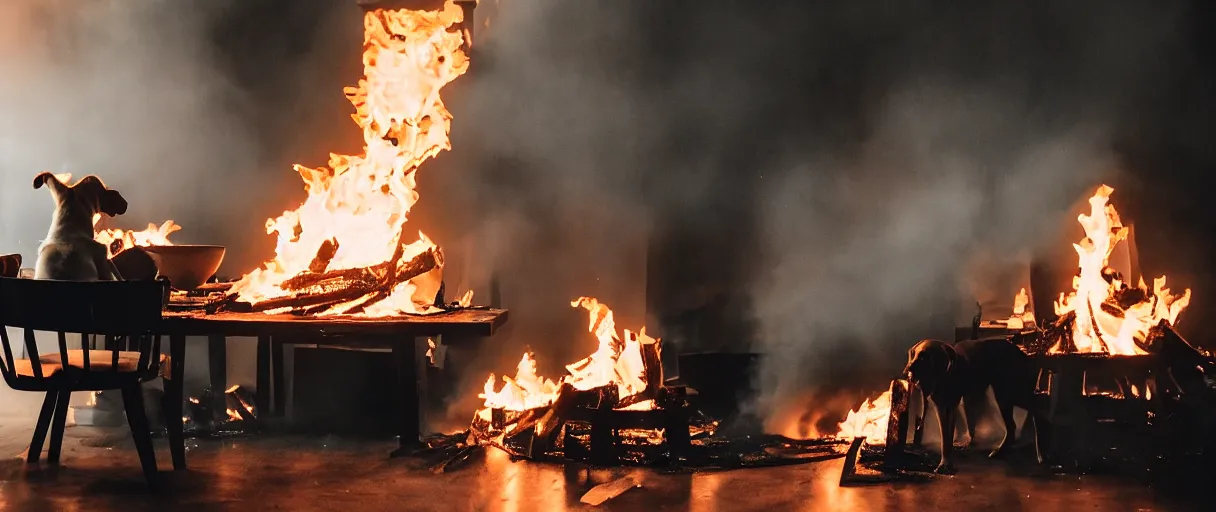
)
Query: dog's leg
[
  {"x": 1011, "y": 427},
  {"x": 945, "y": 419},
  {"x": 1042, "y": 436},
  {"x": 975, "y": 406}
]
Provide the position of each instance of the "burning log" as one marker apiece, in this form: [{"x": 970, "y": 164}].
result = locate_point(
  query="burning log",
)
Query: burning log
[
  {"x": 652, "y": 368},
  {"x": 1164, "y": 341},
  {"x": 325, "y": 254},
  {"x": 310, "y": 279},
  {"x": 330, "y": 294},
  {"x": 553, "y": 419},
  {"x": 321, "y": 291},
  {"x": 1187, "y": 365},
  {"x": 1058, "y": 336},
  {"x": 242, "y": 402},
  {"x": 897, "y": 421},
  {"x": 548, "y": 420}
]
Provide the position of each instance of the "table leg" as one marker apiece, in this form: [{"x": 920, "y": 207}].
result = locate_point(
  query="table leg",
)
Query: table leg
[
  {"x": 217, "y": 363},
  {"x": 172, "y": 401},
  {"x": 411, "y": 385},
  {"x": 263, "y": 391},
  {"x": 277, "y": 378}
]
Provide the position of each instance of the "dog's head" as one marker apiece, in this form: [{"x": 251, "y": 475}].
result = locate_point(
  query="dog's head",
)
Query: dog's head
[
  {"x": 89, "y": 194},
  {"x": 928, "y": 363}
]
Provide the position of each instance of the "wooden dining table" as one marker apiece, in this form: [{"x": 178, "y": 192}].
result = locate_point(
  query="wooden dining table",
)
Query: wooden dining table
[{"x": 405, "y": 335}]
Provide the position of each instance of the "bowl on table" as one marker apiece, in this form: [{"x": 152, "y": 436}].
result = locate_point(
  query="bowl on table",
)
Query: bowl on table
[{"x": 186, "y": 266}]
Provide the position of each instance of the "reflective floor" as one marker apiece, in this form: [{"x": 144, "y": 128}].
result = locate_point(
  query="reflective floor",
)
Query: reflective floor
[{"x": 100, "y": 472}]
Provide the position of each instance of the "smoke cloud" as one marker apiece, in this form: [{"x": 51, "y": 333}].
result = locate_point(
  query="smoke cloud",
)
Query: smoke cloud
[
  {"x": 125, "y": 91},
  {"x": 860, "y": 156},
  {"x": 850, "y": 160},
  {"x": 193, "y": 110}
]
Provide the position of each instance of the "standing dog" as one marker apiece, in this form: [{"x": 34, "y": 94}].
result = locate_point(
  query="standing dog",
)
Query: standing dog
[
  {"x": 948, "y": 373},
  {"x": 69, "y": 252}
]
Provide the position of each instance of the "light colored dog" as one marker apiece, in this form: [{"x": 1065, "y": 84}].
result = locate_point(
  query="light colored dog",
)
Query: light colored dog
[{"x": 69, "y": 252}]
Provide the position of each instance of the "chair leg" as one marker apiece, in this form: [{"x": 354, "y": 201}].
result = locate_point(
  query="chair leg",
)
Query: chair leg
[
  {"x": 44, "y": 423},
  {"x": 58, "y": 424},
  {"x": 137, "y": 418}
]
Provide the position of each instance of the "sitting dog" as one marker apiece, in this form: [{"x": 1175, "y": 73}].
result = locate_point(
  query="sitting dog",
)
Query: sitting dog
[
  {"x": 69, "y": 252},
  {"x": 948, "y": 373}
]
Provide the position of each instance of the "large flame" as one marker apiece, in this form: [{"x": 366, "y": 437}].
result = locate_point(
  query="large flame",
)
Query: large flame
[
  {"x": 1105, "y": 321},
  {"x": 868, "y": 421},
  {"x": 615, "y": 361},
  {"x": 361, "y": 202}
]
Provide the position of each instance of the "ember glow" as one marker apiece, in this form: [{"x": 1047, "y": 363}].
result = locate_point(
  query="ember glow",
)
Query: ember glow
[
  {"x": 868, "y": 421},
  {"x": 1111, "y": 316},
  {"x": 616, "y": 360},
  {"x": 355, "y": 214}
]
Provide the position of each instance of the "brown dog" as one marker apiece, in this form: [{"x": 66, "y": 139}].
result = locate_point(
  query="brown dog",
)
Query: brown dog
[
  {"x": 947, "y": 373},
  {"x": 69, "y": 252}
]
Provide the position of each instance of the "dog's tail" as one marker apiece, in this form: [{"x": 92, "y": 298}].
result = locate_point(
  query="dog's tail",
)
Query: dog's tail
[{"x": 46, "y": 178}]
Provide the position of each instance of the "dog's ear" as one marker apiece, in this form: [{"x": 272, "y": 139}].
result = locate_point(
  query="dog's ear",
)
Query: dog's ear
[
  {"x": 948, "y": 355},
  {"x": 45, "y": 178},
  {"x": 933, "y": 357},
  {"x": 911, "y": 359},
  {"x": 109, "y": 201},
  {"x": 112, "y": 203}
]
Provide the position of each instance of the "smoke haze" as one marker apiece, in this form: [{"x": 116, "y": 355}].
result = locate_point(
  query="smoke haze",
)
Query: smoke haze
[
  {"x": 865, "y": 153},
  {"x": 852, "y": 158}
]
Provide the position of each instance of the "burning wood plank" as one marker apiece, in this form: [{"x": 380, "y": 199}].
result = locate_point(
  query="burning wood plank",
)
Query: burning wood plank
[
  {"x": 606, "y": 491},
  {"x": 652, "y": 370},
  {"x": 332, "y": 293}
]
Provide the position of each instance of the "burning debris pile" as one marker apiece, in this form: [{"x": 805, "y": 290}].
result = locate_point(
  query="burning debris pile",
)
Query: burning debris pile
[
  {"x": 613, "y": 407},
  {"x": 624, "y": 375},
  {"x": 1103, "y": 313},
  {"x": 205, "y": 418}
]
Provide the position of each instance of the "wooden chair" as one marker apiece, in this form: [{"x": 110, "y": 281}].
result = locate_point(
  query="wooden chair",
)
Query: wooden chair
[{"x": 126, "y": 314}]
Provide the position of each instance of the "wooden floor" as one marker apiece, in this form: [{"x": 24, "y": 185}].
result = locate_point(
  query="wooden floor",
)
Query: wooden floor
[{"x": 100, "y": 472}]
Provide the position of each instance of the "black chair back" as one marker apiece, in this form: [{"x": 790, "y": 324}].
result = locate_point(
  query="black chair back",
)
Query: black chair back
[{"x": 126, "y": 313}]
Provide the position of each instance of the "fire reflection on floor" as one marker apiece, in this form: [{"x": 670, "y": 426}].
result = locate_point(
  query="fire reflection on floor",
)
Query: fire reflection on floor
[{"x": 295, "y": 473}]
